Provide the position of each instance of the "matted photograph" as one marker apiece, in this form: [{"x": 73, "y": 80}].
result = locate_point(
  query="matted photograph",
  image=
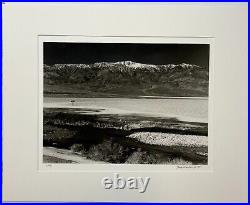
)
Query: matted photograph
[{"x": 125, "y": 103}]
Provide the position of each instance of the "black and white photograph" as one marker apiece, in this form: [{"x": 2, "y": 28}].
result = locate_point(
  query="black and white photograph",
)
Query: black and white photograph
[{"x": 125, "y": 103}]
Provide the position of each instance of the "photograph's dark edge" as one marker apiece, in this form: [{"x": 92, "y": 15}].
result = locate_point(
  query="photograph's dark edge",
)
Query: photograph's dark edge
[{"x": 125, "y": 103}]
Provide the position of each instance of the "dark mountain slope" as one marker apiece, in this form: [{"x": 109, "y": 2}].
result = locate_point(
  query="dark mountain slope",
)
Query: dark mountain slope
[{"x": 125, "y": 79}]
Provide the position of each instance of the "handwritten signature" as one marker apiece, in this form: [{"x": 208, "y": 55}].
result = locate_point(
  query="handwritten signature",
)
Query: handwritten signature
[{"x": 188, "y": 166}]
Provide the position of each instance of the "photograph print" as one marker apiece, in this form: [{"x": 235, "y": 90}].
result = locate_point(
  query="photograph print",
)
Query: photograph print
[{"x": 125, "y": 103}]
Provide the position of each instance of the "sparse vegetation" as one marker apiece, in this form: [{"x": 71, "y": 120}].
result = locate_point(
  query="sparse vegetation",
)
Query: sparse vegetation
[
  {"x": 125, "y": 139},
  {"x": 108, "y": 151},
  {"x": 77, "y": 148}
]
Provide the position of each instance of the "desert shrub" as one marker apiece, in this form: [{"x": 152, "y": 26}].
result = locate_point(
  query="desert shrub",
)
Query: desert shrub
[
  {"x": 149, "y": 158},
  {"x": 77, "y": 147},
  {"x": 177, "y": 161},
  {"x": 135, "y": 158},
  {"x": 108, "y": 151},
  {"x": 55, "y": 136},
  {"x": 142, "y": 157}
]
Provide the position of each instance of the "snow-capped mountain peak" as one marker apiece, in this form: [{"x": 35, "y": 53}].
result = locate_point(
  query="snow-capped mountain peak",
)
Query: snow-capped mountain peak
[{"x": 124, "y": 65}]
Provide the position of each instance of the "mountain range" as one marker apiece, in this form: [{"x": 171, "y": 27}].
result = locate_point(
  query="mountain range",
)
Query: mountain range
[{"x": 126, "y": 79}]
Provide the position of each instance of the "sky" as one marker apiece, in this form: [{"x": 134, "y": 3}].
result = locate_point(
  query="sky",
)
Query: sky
[{"x": 159, "y": 54}]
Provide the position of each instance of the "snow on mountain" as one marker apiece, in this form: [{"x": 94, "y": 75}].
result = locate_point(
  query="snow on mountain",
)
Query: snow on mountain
[
  {"x": 127, "y": 78},
  {"x": 124, "y": 65}
]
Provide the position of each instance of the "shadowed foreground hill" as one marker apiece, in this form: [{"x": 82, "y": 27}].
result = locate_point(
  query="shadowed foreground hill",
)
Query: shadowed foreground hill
[
  {"x": 125, "y": 79},
  {"x": 133, "y": 139}
]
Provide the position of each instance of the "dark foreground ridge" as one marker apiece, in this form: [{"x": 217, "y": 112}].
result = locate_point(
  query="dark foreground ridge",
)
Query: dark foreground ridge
[{"x": 107, "y": 137}]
